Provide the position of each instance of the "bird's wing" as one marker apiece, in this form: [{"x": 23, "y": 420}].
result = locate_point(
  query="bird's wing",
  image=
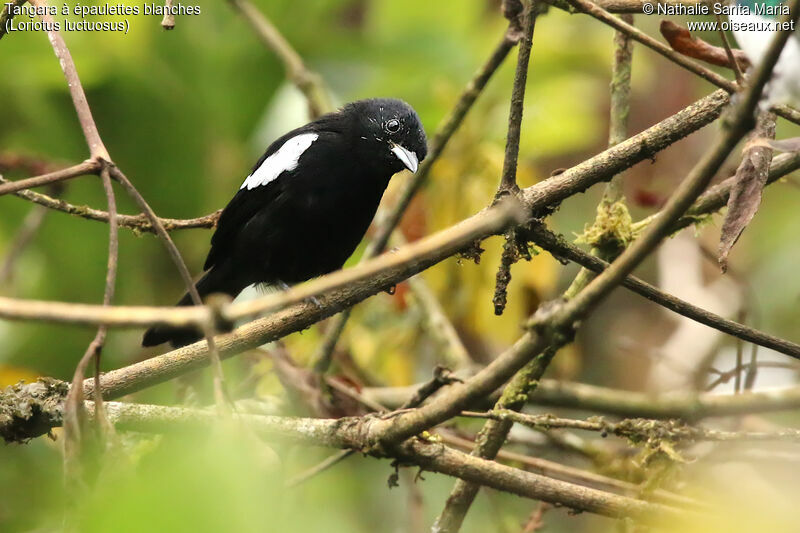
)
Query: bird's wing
[{"x": 261, "y": 187}]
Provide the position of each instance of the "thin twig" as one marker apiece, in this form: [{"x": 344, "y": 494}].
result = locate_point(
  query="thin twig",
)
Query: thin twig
[
  {"x": 734, "y": 64},
  {"x": 168, "y": 22},
  {"x": 508, "y": 179},
  {"x": 137, "y": 223},
  {"x": 619, "y": 6},
  {"x": 330, "y": 461},
  {"x": 82, "y": 169},
  {"x": 559, "y": 247},
  {"x": 441, "y": 378},
  {"x": 74, "y": 413},
  {"x": 726, "y": 376},
  {"x": 438, "y": 326},
  {"x": 637, "y": 430},
  {"x": 96, "y": 147}
]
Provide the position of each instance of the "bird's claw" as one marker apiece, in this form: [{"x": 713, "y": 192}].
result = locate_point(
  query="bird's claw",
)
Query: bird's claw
[
  {"x": 315, "y": 301},
  {"x": 309, "y": 300}
]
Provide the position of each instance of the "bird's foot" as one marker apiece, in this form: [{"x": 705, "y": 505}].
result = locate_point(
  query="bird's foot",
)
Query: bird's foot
[
  {"x": 314, "y": 301},
  {"x": 309, "y": 300}
]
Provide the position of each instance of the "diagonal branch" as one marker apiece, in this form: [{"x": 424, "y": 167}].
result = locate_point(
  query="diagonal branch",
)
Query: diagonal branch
[
  {"x": 96, "y": 147},
  {"x": 559, "y": 247},
  {"x": 309, "y": 82}
]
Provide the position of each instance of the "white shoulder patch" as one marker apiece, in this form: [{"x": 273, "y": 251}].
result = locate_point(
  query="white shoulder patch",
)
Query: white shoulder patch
[{"x": 285, "y": 158}]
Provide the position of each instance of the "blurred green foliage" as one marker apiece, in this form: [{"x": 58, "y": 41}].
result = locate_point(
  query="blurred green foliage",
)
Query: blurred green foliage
[{"x": 185, "y": 113}]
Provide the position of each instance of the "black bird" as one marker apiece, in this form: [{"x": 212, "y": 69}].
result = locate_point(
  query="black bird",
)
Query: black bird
[{"x": 307, "y": 202}]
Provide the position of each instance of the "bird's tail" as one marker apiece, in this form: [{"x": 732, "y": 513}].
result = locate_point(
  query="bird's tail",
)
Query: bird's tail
[{"x": 216, "y": 280}]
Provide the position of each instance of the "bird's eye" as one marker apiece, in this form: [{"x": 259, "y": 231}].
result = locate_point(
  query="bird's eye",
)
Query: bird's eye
[{"x": 392, "y": 126}]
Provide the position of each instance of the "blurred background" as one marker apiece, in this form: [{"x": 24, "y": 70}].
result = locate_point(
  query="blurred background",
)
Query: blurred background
[{"x": 186, "y": 113}]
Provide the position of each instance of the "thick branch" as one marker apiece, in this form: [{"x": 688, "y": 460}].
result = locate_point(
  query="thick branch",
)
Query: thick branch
[
  {"x": 405, "y": 262},
  {"x": 345, "y": 433}
]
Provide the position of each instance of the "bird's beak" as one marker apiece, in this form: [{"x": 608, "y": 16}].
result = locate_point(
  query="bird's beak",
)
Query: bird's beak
[{"x": 407, "y": 157}]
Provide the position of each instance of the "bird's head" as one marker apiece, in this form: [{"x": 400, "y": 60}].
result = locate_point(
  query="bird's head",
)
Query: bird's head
[{"x": 390, "y": 132}]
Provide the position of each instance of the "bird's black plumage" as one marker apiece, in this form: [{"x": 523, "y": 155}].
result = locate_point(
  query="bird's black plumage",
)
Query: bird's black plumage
[{"x": 307, "y": 202}]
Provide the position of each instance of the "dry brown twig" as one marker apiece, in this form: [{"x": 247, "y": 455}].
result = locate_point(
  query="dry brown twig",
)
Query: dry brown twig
[
  {"x": 168, "y": 22},
  {"x": 137, "y": 223},
  {"x": 74, "y": 413}
]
